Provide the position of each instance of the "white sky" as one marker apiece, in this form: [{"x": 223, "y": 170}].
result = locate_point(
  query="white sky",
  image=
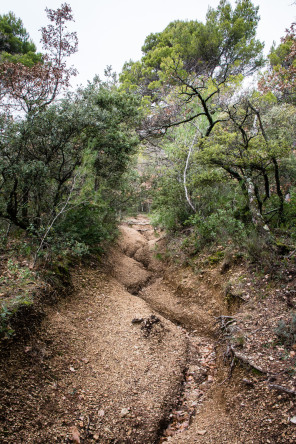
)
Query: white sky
[{"x": 111, "y": 32}]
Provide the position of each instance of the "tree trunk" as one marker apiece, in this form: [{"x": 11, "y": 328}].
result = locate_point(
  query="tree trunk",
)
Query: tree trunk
[{"x": 257, "y": 218}]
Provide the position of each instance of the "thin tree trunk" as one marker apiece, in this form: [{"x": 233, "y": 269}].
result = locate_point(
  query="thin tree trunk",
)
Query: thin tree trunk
[
  {"x": 278, "y": 187},
  {"x": 53, "y": 221},
  {"x": 257, "y": 218},
  {"x": 185, "y": 171}
]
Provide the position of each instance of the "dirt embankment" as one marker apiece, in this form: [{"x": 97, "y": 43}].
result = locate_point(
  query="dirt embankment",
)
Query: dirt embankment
[{"x": 134, "y": 356}]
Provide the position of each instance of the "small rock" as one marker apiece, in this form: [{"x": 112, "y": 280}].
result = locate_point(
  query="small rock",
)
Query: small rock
[
  {"x": 124, "y": 412},
  {"x": 293, "y": 420},
  {"x": 75, "y": 435},
  {"x": 72, "y": 369},
  {"x": 201, "y": 432},
  {"x": 137, "y": 320},
  {"x": 101, "y": 413},
  {"x": 248, "y": 382}
]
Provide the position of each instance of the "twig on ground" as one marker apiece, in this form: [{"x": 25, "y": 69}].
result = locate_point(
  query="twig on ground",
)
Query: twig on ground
[
  {"x": 282, "y": 389},
  {"x": 234, "y": 355}
]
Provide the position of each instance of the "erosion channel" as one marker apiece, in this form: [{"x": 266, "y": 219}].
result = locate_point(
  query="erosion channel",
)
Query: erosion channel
[{"x": 129, "y": 357}]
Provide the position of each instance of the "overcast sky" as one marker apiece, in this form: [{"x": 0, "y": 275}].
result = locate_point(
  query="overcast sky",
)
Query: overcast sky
[{"x": 111, "y": 32}]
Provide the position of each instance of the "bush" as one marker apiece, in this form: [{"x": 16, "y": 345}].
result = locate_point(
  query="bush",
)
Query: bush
[
  {"x": 84, "y": 228},
  {"x": 286, "y": 331},
  {"x": 220, "y": 227}
]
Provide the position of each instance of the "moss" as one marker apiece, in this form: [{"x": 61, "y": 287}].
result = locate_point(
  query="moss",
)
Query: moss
[
  {"x": 239, "y": 341},
  {"x": 216, "y": 257}
]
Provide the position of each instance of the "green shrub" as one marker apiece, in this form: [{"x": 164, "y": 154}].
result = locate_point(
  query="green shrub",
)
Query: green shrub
[
  {"x": 219, "y": 227},
  {"x": 286, "y": 331},
  {"x": 5, "y": 330}
]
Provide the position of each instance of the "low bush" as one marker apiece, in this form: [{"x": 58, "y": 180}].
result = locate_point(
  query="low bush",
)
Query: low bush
[{"x": 286, "y": 331}]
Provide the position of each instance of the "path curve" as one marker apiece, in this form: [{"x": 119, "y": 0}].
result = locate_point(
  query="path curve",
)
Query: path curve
[{"x": 105, "y": 367}]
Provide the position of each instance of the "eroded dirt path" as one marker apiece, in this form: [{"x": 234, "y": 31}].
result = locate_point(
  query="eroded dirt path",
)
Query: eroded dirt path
[
  {"x": 133, "y": 356},
  {"x": 105, "y": 367}
]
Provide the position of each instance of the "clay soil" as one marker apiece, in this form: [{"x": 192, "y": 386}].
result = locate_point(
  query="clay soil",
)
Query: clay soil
[{"x": 143, "y": 352}]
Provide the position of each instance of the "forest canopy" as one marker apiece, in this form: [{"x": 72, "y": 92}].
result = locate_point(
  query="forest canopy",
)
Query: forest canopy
[
  {"x": 220, "y": 156},
  {"x": 228, "y": 167}
]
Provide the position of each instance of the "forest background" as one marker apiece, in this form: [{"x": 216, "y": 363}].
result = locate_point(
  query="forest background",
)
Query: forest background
[{"x": 178, "y": 133}]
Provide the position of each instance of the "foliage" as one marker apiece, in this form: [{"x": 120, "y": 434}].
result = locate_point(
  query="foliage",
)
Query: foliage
[
  {"x": 30, "y": 87},
  {"x": 62, "y": 161},
  {"x": 5, "y": 329},
  {"x": 70, "y": 155},
  {"x": 186, "y": 67},
  {"x": 219, "y": 227},
  {"x": 15, "y": 43},
  {"x": 210, "y": 131},
  {"x": 286, "y": 331},
  {"x": 280, "y": 78},
  {"x": 168, "y": 208}
]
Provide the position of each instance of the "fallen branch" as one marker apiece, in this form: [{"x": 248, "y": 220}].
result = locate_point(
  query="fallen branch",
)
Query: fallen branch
[
  {"x": 233, "y": 355},
  {"x": 225, "y": 317},
  {"x": 235, "y": 296},
  {"x": 241, "y": 357},
  {"x": 225, "y": 321},
  {"x": 291, "y": 254},
  {"x": 160, "y": 238},
  {"x": 280, "y": 388},
  {"x": 229, "y": 354}
]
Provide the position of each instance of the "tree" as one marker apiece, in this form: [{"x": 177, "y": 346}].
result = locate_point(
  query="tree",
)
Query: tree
[
  {"x": 249, "y": 146},
  {"x": 15, "y": 43},
  {"x": 197, "y": 61},
  {"x": 190, "y": 71},
  {"x": 33, "y": 87},
  {"x": 280, "y": 78},
  {"x": 62, "y": 160},
  {"x": 40, "y": 156}
]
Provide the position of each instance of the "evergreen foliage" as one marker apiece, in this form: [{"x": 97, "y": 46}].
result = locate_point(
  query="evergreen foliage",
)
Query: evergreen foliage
[
  {"x": 62, "y": 160},
  {"x": 223, "y": 159},
  {"x": 228, "y": 154},
  {"x": 15, "y": 43}
]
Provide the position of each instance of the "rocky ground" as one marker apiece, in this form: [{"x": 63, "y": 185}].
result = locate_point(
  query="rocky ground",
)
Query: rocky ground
[{"x": 144, "y": 352}]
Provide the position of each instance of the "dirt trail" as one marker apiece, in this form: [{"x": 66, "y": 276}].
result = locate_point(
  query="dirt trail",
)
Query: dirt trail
[
  {"x": 132, "y": 357},
  {"x": 105, "y": 366}
]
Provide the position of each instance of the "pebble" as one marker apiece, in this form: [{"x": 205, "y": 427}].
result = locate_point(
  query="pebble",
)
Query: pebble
[
  {"x": 124, "y": 412},
  {"x": 201, "y": 432}
]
